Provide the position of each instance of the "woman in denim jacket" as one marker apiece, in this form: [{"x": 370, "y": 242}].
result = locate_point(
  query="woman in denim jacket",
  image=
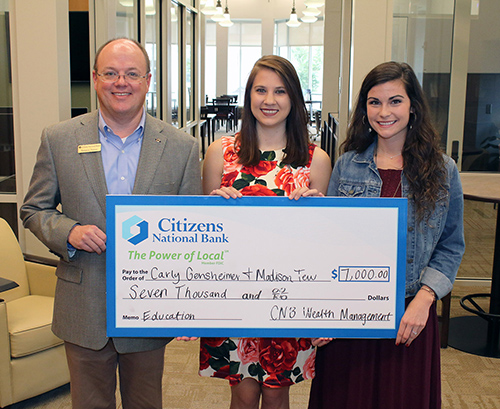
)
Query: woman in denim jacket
[{"x": 392, "y": 150}]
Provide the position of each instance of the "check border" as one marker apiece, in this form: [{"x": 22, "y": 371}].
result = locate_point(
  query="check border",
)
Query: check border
[{"x": 113, "y": 201}]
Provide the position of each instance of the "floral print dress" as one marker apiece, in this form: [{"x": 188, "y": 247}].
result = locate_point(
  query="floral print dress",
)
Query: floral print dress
[{"x": 273, "y": 362}]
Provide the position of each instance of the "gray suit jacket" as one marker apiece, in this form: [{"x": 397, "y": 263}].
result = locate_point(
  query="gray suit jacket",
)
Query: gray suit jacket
[{"x": 168, "y": 165}]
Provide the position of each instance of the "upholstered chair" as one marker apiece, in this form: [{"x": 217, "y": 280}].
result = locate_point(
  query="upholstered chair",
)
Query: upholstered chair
[{"x": 32, "y": 358}]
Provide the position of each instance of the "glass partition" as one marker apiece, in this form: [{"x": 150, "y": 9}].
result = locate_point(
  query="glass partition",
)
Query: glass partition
[
  {"x": 80, "y": 63},
  {"x": 8, "y": 207},
  {"x": 174, "y": 63},
  {"x": 152, "y": 47},
  {"x": 7, "y": 162},
  {"x": 189, "y": 66},
  {"x": 126, "y": 19},
  {"x": 481, "y": 143},
  {"x": 422, "y": 37},
  {"x": 210, "y": 60}
]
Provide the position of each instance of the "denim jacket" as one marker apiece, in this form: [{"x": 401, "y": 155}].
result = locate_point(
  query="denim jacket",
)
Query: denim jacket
[{"x": 434, "y": 247}]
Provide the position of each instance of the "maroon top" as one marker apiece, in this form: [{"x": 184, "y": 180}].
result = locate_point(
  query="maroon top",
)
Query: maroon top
[{"x": 391, "y": 182}]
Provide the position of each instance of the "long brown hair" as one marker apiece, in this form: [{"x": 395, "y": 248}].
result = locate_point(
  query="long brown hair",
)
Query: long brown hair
[
  {"x": 297, "y": 138},
  {"x": 422, "y": 155}
]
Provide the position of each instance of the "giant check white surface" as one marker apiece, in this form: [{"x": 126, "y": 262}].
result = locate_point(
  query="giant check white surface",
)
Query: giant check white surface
[{"x": 255, "y": 266}]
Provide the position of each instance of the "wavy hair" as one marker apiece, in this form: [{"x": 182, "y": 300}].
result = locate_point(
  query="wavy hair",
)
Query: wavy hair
[
  {"x": 423, "y": 162},
  {"x": 297, "y": 137}
]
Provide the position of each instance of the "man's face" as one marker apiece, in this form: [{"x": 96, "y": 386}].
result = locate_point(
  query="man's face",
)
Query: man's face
[{"x": 121, "y": 100}]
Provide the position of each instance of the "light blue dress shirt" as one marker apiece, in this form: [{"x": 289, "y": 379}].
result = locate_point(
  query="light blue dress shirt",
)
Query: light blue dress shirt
[{"x": 120, "y": 158}]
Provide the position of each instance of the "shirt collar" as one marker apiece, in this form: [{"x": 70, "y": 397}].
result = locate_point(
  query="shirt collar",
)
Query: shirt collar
[
  {"x": 367, "y": 155},
  {"x": 106, "y": 130}
]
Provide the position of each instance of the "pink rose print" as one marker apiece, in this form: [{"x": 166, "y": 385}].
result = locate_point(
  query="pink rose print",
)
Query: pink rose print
[
  {"x": 248, "y": 350},
  {"x": 309, "y": 368}
]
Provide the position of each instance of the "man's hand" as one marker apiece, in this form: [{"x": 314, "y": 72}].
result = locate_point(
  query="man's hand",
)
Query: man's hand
[{"x": 88, "y": 238}]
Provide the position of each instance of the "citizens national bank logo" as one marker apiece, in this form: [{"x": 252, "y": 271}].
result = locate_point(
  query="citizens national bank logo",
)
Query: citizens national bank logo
[{"x": 130, "y": 234}]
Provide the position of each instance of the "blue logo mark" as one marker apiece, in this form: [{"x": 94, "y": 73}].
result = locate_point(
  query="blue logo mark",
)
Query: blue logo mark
[{"x": 127, "y": 230}]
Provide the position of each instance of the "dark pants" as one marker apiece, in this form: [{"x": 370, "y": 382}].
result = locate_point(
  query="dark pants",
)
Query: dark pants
[{"x": 93, "y": 377}]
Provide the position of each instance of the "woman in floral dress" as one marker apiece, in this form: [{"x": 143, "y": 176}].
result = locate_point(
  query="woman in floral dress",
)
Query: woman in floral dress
[{"x": 270, "y": 156}]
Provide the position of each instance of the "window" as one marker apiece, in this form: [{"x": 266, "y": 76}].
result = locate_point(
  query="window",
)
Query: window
[
  {"x": 210, "y": 59},
  {"x": 303, "y": 47},
  {"x": 244, "y": 49}
]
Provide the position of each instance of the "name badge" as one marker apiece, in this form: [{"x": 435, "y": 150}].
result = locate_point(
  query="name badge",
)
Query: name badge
[{"x": 93, "y": 147}]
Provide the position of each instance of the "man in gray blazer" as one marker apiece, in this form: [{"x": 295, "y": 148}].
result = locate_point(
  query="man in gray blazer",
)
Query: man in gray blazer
[{"x": 118, "y": 149}]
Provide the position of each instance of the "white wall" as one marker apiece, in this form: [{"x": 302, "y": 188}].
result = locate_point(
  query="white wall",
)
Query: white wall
[
  {"x": 371, "y": 38},
  {"x": 40, "y": 85},
  {"x": 331, "y": 57}
]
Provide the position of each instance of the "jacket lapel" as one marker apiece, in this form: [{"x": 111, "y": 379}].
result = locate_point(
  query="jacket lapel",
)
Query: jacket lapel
[
  {"x": 92, "y": 162},
  {"x": 153, "y": 145}
]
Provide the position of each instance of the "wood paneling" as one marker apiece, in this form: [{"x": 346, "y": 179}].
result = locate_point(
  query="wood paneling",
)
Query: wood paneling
[{"x": 78, "y": 5}]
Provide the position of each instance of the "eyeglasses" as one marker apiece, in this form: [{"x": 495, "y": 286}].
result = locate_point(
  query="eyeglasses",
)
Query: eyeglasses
[{"x": 130, "y": 77}]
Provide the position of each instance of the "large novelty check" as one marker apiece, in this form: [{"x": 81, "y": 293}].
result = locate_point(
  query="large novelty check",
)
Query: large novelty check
[{"x": 255, "y": 266}]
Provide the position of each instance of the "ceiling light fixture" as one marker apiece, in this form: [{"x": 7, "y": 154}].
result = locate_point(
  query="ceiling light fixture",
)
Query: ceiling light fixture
[
  {"x": 227, "y": 19},
  {"x": 209, "y": 9},
  {"x": 309, "y": 19},
  {"x": 219, "y": 15},
  {"x": 293, "y": 21},
  {"x": 314, "y": 3},
  {"x": 311, "y": 11}
]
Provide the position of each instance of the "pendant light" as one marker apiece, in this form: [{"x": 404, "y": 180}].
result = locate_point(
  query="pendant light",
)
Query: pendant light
[
  {"x": 312, "y": 11},
  {"x": 314, "y": 3},
  {"x": 293, "y": 21},
  {"x": 209, "y": 9},
  {"x": 227, "y": 18},
  {"x": 219, "y": 15},
  {"x": 309, "y": 19}
]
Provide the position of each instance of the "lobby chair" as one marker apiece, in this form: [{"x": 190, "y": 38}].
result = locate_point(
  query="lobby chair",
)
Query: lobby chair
[
  {"x": 224, "y": 113},
  {"x": 32, "y": 358}
]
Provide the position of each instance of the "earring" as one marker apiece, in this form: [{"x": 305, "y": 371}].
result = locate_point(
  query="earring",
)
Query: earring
[
  {"x": 414, "y": 119},
  {"x": 364, "y": 123}
]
